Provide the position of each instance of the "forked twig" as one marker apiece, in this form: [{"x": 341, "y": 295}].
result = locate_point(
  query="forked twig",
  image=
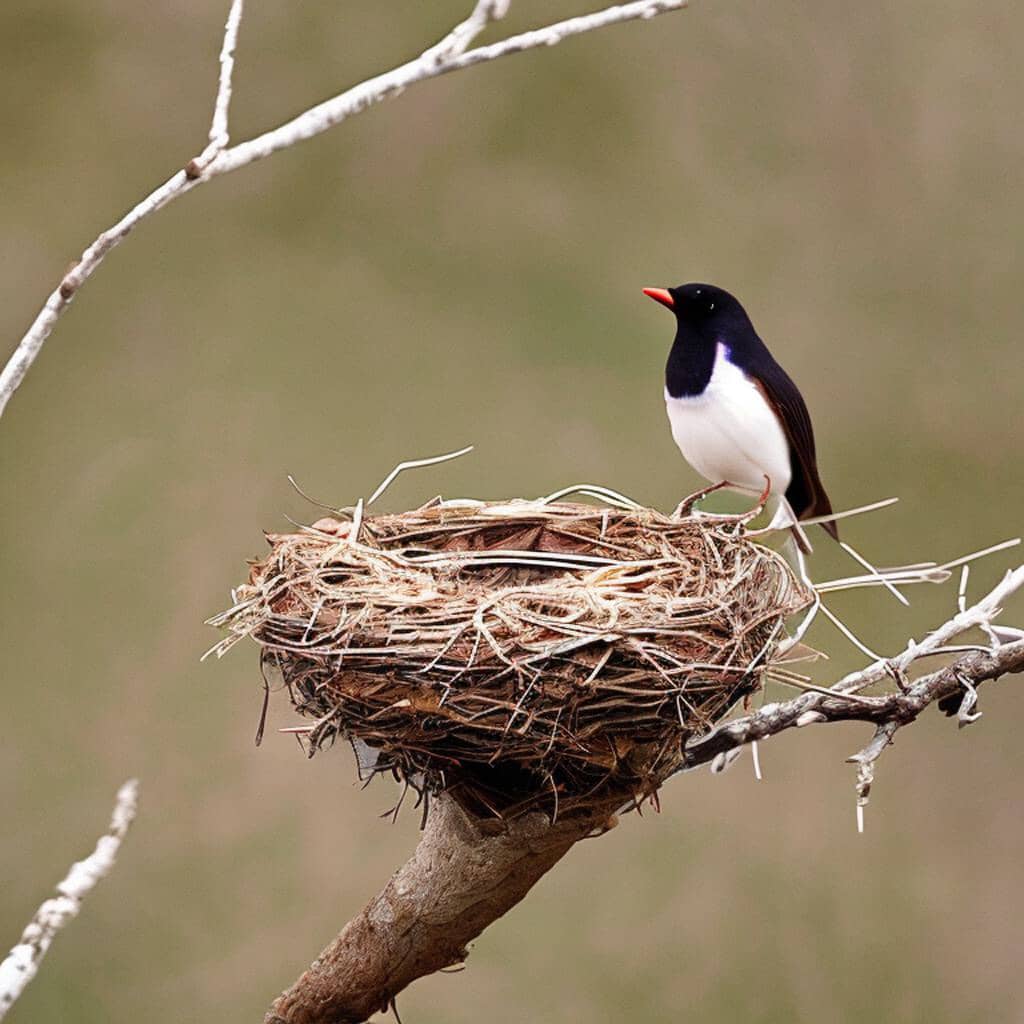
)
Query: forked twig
[
  {"x": 452, "y": 53},
  {"x": 892, "y": 710}
]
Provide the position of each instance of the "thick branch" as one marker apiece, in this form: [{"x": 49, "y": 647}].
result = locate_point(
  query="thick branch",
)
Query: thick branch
[
  {"x": 451, "y": 54},
  {"x": 460, "y": 879}
]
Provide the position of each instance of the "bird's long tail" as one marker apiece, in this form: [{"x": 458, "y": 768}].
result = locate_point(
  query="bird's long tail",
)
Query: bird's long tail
[
  {"x": 798, "y": 538},
  {"x": 782, "y": 517},
  {"x": 823, "y": 507}
]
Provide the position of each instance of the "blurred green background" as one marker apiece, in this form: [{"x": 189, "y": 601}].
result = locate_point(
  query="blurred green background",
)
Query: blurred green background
[{"x": 459, "y": 265}]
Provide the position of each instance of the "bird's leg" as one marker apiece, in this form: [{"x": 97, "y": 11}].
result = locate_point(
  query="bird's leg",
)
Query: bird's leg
[
  {"x": 763, "y": 497},
  {"x": 684, "y": 507},
  {"x": 783, "y": 518}
]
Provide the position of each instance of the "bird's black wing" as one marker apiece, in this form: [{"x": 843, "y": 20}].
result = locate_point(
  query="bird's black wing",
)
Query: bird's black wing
[{"x": 806, "y": 494}]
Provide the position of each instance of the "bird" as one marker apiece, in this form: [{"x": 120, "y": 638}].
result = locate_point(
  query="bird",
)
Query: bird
[{"x": 736, "y": 415}]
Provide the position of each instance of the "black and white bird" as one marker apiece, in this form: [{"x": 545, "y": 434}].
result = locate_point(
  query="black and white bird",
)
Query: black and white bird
[{"x": 736, "y": 415}]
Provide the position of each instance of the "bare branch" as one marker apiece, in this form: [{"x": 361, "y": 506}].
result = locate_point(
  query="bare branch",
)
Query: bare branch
[
  {"x": 979, "y": 615},
  {"x": 457, "y": 41},
  {"x": 462, "y": 877},
  {"x": 810, "y": 708},
  {"x": 450, "y": 54},
  {"x": 22, "y": 963},
  {"x": 219, "y": 126},
  {"x": 339, "y": 108},
  {"x": 954, "y": 688},
  {"x": 551, "y": 35},
  {"x": 865, "y": 762},
  {"x": 219, "y": 136}
]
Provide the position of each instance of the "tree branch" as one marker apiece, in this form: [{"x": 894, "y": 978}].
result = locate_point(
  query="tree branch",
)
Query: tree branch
[
  {"x": 462, "y": 877},
  {"x": 895, "y": 709},
  {"x": 450, "y": 54},
  {"x": 22, "y": 963},
  {"x": 457, "y": 41},
  {"x": 219, "y": 136},
  {"x": 892, "y": 710}
]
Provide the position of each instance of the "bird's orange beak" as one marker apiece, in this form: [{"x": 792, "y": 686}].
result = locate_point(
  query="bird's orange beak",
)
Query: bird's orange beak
[{"x": 660, "y": 295}]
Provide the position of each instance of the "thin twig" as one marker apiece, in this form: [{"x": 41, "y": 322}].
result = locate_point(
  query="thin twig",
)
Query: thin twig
[
  {"x": 449, "y": 55},
  {"x": 889, "y": 711},
  {"x": 865, "y": 761},
  {"x": 219, "y": 136},
  {"x": 458, "y": 40},
  {"x": 22, "y": 963}
]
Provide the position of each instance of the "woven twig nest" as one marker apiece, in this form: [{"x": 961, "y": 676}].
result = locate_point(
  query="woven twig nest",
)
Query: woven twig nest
[{"x": 520, "y": 653}]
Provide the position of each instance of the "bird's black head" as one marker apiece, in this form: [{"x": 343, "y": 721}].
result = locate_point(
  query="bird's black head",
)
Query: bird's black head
[
  {"x": 705, "y": 316},
  {"x": 702, "y": 310}
]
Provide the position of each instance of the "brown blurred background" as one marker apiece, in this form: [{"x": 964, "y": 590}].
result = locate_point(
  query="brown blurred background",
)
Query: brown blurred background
[{"x": 459, "y": 265}]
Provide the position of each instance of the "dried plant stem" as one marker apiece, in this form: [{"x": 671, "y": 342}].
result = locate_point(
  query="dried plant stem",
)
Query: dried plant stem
[
  {"x": 23, "y": 961},
  {"x": 450, "y": 54}
]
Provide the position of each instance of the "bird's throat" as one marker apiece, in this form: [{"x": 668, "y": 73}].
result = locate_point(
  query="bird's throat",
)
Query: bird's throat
[{"x": 690, "y": 365}]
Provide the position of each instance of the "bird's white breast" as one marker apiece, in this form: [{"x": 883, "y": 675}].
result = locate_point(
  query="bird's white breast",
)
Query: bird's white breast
[{"x": 730, "y": 432}]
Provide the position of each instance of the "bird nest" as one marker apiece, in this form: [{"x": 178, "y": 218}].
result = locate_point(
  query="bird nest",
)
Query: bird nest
[{"x": 520, "y": 653}]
